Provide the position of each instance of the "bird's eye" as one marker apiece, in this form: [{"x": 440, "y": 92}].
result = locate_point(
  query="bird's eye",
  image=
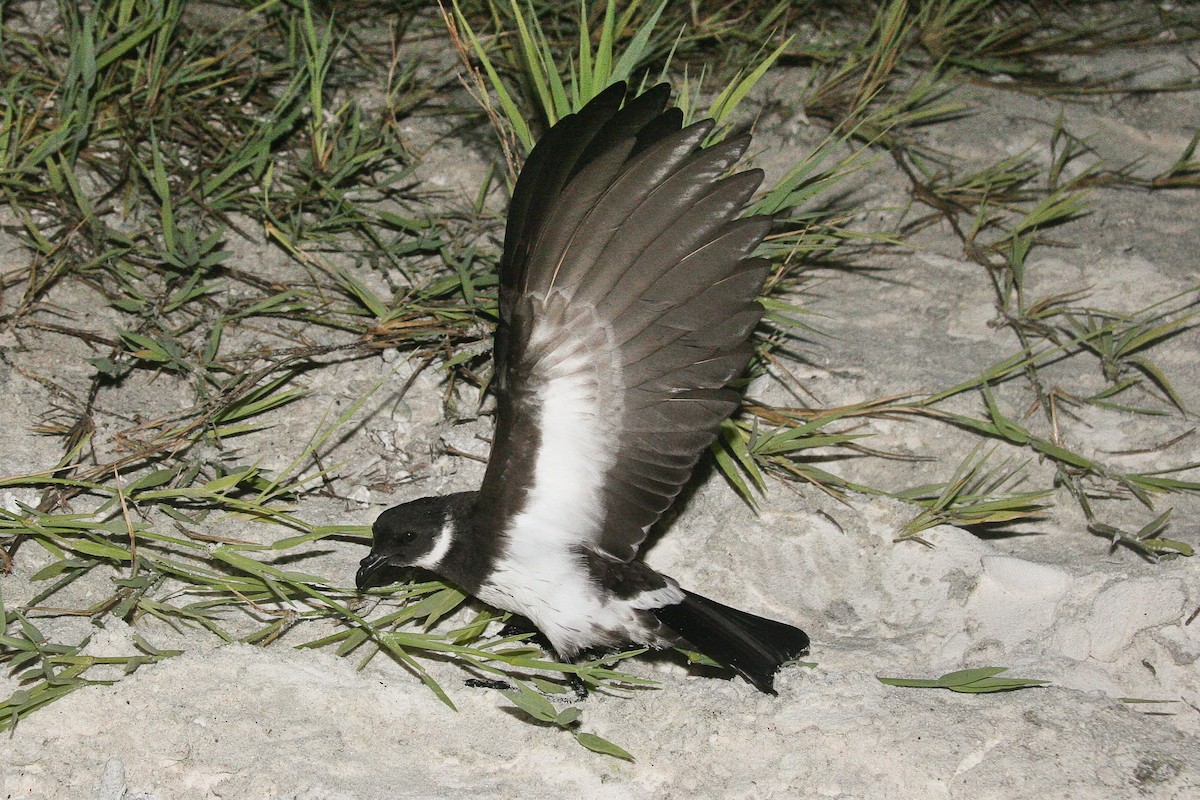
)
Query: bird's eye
[{"x": 408, "y": 537}]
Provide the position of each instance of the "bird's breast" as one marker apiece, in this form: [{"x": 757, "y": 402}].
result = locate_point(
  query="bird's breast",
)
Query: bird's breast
[{"x": 551, "y": 588}]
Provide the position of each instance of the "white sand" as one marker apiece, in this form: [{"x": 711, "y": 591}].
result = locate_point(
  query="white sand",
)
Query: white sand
[{"x": 241, "y": 721}]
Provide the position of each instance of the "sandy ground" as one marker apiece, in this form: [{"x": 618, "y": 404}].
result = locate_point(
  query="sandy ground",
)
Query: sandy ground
[{"x": 1058, "y": 604}]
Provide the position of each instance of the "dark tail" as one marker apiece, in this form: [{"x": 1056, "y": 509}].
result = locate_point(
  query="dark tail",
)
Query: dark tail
[{"x": 752, "y": 646}]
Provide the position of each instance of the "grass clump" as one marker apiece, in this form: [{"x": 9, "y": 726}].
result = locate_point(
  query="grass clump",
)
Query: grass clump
[{"x": 981, "y": 680}]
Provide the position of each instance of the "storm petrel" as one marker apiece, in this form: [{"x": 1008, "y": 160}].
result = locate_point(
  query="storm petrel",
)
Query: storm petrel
[{"x": 627, "y": 300}]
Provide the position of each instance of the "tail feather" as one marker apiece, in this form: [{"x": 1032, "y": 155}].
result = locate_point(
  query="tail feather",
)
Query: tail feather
[{"x": 753, "y": 646}]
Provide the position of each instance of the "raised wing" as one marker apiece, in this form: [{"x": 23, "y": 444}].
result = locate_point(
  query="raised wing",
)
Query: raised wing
[{"x": 626, "y": 301}]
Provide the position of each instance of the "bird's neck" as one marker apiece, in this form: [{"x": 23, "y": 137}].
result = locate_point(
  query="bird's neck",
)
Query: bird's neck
[{"x": 473, "y": 544}]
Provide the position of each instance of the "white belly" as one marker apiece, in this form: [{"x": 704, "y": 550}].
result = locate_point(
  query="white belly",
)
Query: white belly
[{"x": 552, "y": 589}]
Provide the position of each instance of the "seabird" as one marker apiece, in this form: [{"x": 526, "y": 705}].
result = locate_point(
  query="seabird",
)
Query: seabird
[{"x": 626, "y": 303}]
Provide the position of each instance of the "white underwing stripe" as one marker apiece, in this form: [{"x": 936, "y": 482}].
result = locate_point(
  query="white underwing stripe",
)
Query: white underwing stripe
[
  {"x": 541, "y": 573},
  {"x": 575, "y": 373}
]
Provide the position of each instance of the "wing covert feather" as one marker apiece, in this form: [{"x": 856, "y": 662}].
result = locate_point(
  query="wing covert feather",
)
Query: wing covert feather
[{"x": 627, "y": 299}]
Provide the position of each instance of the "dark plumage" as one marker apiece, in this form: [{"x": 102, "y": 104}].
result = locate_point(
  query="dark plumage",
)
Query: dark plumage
[{"x": 627, "y": 299}]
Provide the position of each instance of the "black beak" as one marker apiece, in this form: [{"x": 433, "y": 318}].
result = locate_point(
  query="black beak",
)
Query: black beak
[{"x": 368, "y": 571}]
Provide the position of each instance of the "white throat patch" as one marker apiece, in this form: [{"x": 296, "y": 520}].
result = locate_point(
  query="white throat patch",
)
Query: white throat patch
[{"x": 433, "y": 559}]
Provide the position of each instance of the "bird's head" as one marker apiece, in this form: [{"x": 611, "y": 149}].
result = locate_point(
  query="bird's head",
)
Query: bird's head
[{"x": 413, "y": 534}]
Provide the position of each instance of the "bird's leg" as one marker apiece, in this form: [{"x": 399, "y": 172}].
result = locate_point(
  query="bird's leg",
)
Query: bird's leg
[
  {"x": 517, "y": 626},
  {"x": 577, "y": 683},
  {"x": 578, "y": 687}
]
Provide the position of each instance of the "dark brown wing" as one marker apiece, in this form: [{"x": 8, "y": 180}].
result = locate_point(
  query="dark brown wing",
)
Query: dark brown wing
[{"x": 627, "y": 301}]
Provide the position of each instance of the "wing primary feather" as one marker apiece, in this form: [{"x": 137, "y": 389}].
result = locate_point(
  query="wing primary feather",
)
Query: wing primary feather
[
  {"x": 551, "y": 164},
  {"x": 632, "y": 119},
  {"x": 662, "y": 126},
  {"x": 627, "y": 299},
  {"x": 690, "y": 183},
  {"x": 573, "y": 241}
]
